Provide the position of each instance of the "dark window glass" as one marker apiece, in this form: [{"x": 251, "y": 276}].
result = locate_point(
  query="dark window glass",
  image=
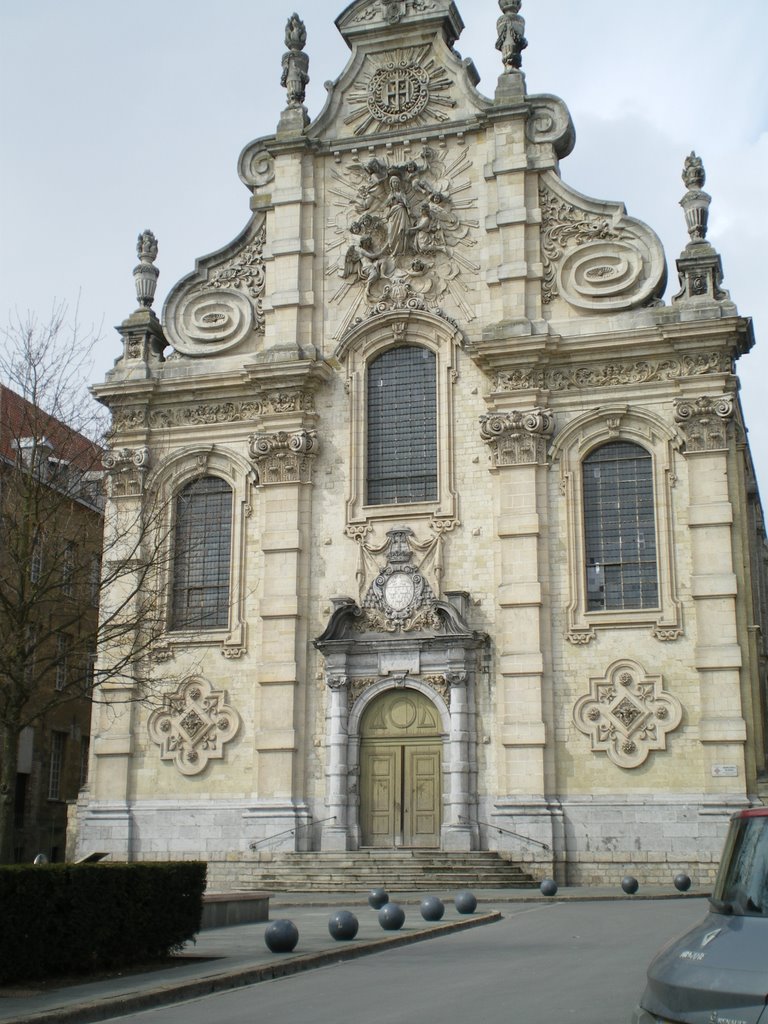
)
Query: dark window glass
[
  {"x": 402, "y": 427},
  {"x": 201, "y": 555},
  {"x": 620, "y": 528}
]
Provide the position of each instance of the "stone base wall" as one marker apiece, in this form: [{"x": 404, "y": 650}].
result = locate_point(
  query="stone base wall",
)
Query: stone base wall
[
  {"x": 210, "y": 830},
  {"x": 597, "y": 840}
]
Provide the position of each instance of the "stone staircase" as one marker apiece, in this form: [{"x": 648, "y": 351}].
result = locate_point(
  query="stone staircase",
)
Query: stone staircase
[{"x": 396, "y": 870}]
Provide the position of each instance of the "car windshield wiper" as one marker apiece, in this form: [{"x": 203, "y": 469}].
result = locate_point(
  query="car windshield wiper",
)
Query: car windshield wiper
[{"x": 721, "y": 906}]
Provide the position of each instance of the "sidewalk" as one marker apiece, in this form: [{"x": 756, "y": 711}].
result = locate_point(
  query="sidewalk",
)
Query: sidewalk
[{"x": 227, "y": 958}]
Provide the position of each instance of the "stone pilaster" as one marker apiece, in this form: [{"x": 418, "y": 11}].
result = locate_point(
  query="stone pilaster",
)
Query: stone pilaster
[
  {"x": 518, "y": 448},
  {"x": 284, "y": 461},
  {"x": 705, "y": 423}
]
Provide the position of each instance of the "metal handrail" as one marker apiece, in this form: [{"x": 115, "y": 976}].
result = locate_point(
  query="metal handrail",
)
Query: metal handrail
[
  {"x": 289, "y": 832},
  {"x": 506, "y": 831}
]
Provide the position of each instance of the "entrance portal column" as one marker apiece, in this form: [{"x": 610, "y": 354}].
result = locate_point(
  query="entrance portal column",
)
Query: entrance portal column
[
  {"x": 334, "y": 834},
  {"x": 457, "y": 829}
]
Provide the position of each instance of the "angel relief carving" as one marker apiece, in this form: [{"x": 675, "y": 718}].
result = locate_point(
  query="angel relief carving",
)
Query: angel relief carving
[{"x": 402, "y": 233}]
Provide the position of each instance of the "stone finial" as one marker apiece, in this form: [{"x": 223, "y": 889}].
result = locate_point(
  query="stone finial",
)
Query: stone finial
[
  {"x": 510, "y": 38},
  {"x": 699, "y": 267},
  {"x": 145, "y": 275},
  {"x": 693, "y": 171},
  {"x": 295, "y": 62},
  {"x": 695, "y": 202}
]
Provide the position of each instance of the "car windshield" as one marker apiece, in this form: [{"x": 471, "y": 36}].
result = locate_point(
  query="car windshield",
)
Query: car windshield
[{"x": 742, "y": 883}]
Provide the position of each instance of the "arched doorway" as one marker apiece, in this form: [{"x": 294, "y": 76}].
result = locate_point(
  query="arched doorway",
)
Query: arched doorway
[{"x": 401, "y": 753}]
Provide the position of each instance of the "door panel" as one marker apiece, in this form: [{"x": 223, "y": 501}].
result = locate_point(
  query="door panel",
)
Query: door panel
[
  {"x": 421, "y": 819},
  {"x": 380, "y": 795},
  {"x": 400, "y": 794}
]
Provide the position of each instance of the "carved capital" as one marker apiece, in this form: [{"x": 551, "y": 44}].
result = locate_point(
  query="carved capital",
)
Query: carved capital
[
  {"x": 704, "y": 422},
  {"x": 283, "y": 457},
  {"x": 336, "y": 682},
  {"x": 518, "y": 438},
  {"x": 126, "y": 470}
]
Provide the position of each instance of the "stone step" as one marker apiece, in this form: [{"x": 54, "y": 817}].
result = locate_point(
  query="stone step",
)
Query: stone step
[{"x": 413, "y": 870}]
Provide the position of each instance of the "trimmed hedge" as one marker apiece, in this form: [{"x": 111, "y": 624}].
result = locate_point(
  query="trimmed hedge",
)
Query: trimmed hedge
[{"x": 76, "y": 918}]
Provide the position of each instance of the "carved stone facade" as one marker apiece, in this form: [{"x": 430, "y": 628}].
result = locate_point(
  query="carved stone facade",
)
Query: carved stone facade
[{"x": 547, "y": 623}]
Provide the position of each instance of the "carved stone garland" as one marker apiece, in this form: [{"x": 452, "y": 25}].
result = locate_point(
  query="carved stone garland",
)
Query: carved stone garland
[
  {"x": 704, "y": 422},
  {"x": 193, "y": 726},
  {"x": 627, "y": 714},
  {"x": 518, "y": 438},
  {"x": 401, "y": 234},
  {"x": 609, "y": 375}
]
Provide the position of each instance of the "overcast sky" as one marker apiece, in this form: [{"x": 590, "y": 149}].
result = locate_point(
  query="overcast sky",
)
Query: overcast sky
[{"x": 118, "y": 115}]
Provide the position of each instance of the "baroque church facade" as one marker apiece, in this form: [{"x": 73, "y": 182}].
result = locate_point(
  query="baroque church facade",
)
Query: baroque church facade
[{"x": 463, "y": 544}]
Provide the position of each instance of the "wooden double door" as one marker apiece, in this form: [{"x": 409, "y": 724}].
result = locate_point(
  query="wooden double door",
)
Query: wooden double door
[{"x": 400, "y": 772}]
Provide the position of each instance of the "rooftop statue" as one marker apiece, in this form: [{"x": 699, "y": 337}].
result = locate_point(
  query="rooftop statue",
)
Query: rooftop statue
[
  {"x": 511, "y": 41},
  {"x": 295, "y": 62}
]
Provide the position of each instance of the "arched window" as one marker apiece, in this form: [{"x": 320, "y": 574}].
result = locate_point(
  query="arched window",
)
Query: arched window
[
  {"x": 402, "y": 427},
  {"x": 619, "y": 528},
  {"x": 202, "y": 545}
]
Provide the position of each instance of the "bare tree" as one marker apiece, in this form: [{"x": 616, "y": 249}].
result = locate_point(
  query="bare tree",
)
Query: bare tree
[{"x": 60, "y": 551}]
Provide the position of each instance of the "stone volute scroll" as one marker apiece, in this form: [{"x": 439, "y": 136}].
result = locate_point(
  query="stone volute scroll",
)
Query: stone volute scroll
[{"x": 594, "y": 256}]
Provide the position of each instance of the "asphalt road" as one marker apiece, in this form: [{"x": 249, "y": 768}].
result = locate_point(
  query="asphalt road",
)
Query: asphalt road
[{"x": 581, "y": 963}]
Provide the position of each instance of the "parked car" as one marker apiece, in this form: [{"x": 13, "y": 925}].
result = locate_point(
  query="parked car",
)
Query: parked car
[{"x": 717, "y": 973}]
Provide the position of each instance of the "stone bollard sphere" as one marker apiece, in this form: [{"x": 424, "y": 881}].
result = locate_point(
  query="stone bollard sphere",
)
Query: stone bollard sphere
[
  {"x": 548, "y": 887},
  {"x": 343, "y": 926},
  {"x": 281, "y": 936},
  {"x": 682, "y": 882},
  {"x": 391, "y": 917},
  {"x": 465, "y": 902},
  {"x": 432, "y": 908},
  {"x": 630, "y": 885},
  {"x": 377, "y": 898}
]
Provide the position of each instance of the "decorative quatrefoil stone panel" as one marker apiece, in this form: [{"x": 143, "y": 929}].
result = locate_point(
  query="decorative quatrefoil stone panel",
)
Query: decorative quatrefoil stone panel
[
  {"x": 627, "y": 714},
  {"x": 193, "y": 725}
]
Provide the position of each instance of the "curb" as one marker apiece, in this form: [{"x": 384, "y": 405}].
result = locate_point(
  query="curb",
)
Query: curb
[{"x": 165, "y": 995}]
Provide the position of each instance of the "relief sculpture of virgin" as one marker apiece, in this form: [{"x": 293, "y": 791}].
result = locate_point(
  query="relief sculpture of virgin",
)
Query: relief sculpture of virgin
[{"x": 402, "y": 233}]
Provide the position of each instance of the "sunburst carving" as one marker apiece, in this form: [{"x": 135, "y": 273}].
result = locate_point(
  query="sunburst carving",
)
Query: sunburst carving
[{"x": 397, "y": 88}]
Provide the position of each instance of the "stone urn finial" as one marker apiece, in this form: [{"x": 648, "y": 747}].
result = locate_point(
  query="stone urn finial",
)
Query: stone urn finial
[
  {"x": 295, "y": 62},
  {"x": 695, "y": 202},
  {"x": 145, "y": 275},
  {"x": 511, "y": 40}
]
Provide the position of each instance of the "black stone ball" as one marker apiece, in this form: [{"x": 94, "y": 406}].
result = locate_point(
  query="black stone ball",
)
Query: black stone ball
[
  {"x": 630, "y": 885},
  {"x": 281, "y": 936},
  {"x": 465, "y": 902},
  {"x": 343, "y": 925},
  {"x": 432, "y": 908},
  {"x": 548, "y": 887},
  {"x": 391, "y": 917},
  {"x": 682, "y": 882},
  {"x": 377, "y": 898}
]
